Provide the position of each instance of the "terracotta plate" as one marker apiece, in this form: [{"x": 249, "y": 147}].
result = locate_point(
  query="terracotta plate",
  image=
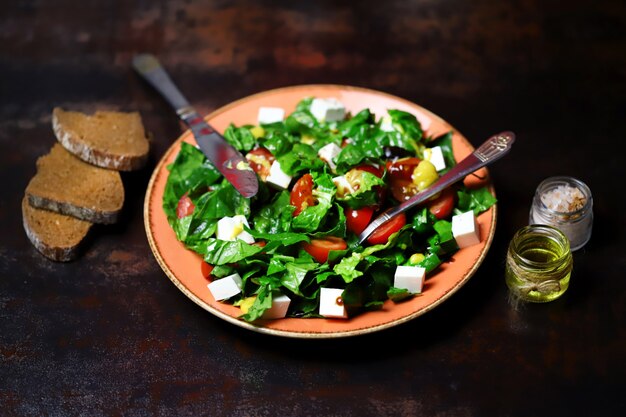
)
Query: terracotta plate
[{"x": 183, "y": 266}]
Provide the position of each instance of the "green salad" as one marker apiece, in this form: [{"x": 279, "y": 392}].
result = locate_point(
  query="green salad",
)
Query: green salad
[{"x": 321, "y": 182}]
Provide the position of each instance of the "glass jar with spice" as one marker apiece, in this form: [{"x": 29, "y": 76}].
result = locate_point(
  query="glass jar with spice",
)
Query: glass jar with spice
[
  {"x": 538, "y": 264},
  {"x": 565, "y": 203}
]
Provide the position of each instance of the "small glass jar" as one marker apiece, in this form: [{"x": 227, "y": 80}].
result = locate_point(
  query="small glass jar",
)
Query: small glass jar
[
  {"x": 565, "y": 203},
  {"x": 538, "y": 264}
]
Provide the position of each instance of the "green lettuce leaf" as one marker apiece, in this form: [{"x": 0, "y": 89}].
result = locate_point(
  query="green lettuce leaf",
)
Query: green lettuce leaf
[
  {"x": 190, "y": 173},
  {"x": 478, "y": 200},
  {"x": 240, "y": 137}
]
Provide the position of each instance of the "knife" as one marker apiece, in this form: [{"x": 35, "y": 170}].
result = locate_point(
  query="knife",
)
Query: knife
[{"x": 224, "y": 156}]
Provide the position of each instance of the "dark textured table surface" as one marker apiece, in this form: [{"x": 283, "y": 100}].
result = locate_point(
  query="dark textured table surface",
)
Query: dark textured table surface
[{"x": 110, "y": 335}]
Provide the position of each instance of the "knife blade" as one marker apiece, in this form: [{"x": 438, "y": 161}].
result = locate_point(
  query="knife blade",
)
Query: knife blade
[{"x": 228, "y": 160}]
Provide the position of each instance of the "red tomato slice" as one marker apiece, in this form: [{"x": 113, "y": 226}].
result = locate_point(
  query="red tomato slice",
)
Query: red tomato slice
[
  {"x": 320, "y": 248},
  {"x": 206, "y": 270},
  {"x": 402, "y": 169},
  {"x": 358, "y": 219},
  {"x": 442, "y": 206},
  {"x": 381, "y": 235},
  {"x": 371, "y": 169},
  {"x": 402, "y": 189},
  {"x": 185, "y": 206},
  {"x": 302, "y": 194},
  {"x": 260, "y": 160}
]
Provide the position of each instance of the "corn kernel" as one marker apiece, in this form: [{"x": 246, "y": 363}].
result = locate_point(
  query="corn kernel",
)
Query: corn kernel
[
  {"x": 416, "y": 258},
  {"x": 246, "y": 303},
  {"x": 257, "y": 132}
]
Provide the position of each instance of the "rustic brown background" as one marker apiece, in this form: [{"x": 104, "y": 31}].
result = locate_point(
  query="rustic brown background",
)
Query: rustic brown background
[{"x": 110, "y": 335}]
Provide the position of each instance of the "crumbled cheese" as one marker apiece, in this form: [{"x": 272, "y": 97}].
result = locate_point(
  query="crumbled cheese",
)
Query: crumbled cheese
[
  {"x": 435, "y": 156},
  {"x": 268, "y": 115},
  {"x": 410, "y": 278},
  {"x": 386, "y": 124},
  {"x": 465, "y": 229},
  {"x": 328, "y": 110},
  {"x": 278, "y": 310},
  {"x": 231, "y": 228},
  {"x": 343, "y": 186},
  {"x": 278, "y": 177},
  {"x": 328, "y": 153},
  {"x": 331, "y": 303},
  {"x": 225, "y": 288}
]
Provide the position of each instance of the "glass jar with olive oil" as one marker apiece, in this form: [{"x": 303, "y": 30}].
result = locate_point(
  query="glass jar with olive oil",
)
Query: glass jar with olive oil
[{"x": 538, "y": 264}]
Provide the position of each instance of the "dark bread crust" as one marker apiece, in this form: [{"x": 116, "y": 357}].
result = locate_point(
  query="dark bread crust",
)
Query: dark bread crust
[
  {"x": 112, "y": 140},
  {"x": 69, "y": 209},
  {"x": 56, "y": 236},
  {"x": 67, "y": 185}
]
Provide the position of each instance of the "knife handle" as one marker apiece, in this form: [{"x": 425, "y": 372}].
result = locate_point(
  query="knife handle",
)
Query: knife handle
[{"x": 152, "y": 71}]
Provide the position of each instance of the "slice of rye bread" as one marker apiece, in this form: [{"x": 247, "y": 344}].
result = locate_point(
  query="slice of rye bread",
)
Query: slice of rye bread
[
  {"x": 67, "y": 185},
  {"x": 56, "y": 236},
  {"x": 108, "y": 139}
]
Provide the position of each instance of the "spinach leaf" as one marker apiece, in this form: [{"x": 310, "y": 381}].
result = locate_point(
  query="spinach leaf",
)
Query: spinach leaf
[
  {"x": 478, "y": 200},
  {"x": 445, "y": 142},
  {"x": 278, "y": 142},
  {"x": 347, "y": 267},
  {"x": 310, "y": 219},
  {"x": 301, "y": 158},
  {"x": 366, "y": 194},
  {"x": 263, "y": 299},
  {"x": 240, "y": 137},
  {"x": 350, "y": 127},
  {"x": 407, "y": 124},
  {"x": 189, "y": 173},
  {"x": 276, "y": 216},
  {"x": 220, "y": 252}
]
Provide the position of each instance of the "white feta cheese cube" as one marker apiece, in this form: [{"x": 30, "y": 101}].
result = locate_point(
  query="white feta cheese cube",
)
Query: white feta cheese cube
[
  {"x": 224, "y": 288},
  {"x": 465, "y": 229},
  {"x": 277, "y": 177},
  {"x": 278, "y": 310},
  {"x": 410, "y": 278},
  {"x": 269, "y": 115},
  {"x": 331, "y": 303},
  {"x": 435, "y": 156},
  {"x": 386, "y": 124},
  {"x": 328, "y": 109},
  {"x": 231, "y": 228},
  {"x": 343, "y": 186},
  {"x": 328, "y": 153}
]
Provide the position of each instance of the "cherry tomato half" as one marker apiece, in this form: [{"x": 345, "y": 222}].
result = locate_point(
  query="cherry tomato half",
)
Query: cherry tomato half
[
  {"x": 260, "y": 160},
  {"x": 185, "y": 206},
  {"x": 402, "y": 189},
  {"x": 402, "y": 169},
  {"x": 371, "y": 169},
  {"x": 320, "y": 248},
  {"x": 301, "y": 195},
  {"x": 381, "y": 235},
  {"x": 442, "y": 206},
  {"x": 358, "y": 219}
]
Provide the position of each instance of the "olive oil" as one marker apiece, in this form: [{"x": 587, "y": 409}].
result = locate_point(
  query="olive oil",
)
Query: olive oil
[{"x": 539, "y": 264}]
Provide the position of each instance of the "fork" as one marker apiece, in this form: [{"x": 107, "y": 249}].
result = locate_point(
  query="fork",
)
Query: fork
[{"x": 491, "y": 150}]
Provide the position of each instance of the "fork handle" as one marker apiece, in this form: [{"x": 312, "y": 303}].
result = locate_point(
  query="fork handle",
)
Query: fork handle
[{"x": 491, "y": 150}]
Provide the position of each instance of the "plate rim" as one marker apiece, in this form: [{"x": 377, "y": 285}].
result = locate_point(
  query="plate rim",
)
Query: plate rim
[{"x": 158, "y": 170}]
